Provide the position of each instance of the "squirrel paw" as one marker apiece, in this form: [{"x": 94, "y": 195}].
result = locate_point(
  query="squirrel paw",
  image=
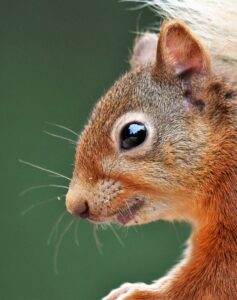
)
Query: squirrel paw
[{"x": 128, "y": 291}]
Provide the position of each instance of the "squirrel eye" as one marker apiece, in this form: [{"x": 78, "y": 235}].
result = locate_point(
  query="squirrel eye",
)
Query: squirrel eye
[{"x": 132, "y": 135}]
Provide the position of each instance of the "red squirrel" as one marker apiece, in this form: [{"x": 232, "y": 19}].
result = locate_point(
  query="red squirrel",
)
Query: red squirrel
[{"x": 162, "y": 145}]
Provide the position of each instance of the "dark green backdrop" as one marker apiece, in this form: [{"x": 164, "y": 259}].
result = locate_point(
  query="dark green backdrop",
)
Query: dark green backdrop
[{"x": 57, "y": 58}]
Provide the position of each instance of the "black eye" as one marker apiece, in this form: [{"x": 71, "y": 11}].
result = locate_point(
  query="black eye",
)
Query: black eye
[{"x": 132, "y": 135}]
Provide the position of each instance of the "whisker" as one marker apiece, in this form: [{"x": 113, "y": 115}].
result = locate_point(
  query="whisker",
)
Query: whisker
[
  {"x": 137, "y": 7},
  {"x": 27, "y": 210},
  {"x": 54, "y": 176},
  {"x": 59, "y": 243},
  {"x": 116, "y": 235},
  {"x": 97, "y": 240},
  {"x": 128, "y": 208},
  {"x": 130, "y": 213},
  {"x": 135, "y": 229},
  {"x": 43, "y": 169},
  {"x": 63, "y": 127},
  {"x": 76, "y": 233},
  {"x": 126, "y": 231},
  {"x": 41, "y": 186},
  {"x": 54, "y": 229},
  {"x": 104, "y": 226},
  {"x": 60, "y": 137},
  {"x": 176, "y": 233}
]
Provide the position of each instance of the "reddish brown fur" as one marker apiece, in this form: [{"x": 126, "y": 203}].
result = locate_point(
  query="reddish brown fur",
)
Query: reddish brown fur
[{"x": 192, "y": 164}]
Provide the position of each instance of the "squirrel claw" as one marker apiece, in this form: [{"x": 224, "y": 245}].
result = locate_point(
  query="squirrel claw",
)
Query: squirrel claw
[{"x": 125, "y": 291}]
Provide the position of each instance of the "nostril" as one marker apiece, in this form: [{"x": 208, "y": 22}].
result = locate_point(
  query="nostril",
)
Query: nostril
[
  {"x": 76, "y": 207},
  {"x": 84, "y": 210},
  {"x": 80, "y": 209}
]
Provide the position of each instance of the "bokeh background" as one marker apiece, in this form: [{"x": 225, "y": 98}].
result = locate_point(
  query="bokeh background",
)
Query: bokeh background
[{"x": 57, "y": 58}]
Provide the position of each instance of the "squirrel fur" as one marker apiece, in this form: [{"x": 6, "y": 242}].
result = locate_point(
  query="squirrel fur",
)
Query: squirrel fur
[{"x": 182, "y": 88}]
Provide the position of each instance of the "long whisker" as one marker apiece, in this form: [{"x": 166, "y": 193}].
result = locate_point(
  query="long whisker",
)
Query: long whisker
[
  {"x": 130, "y": 213},
  {"x": 43, "y": 169},
  {"x": 41, "y": 186},
  {"x": 104, "y": 226},
  {"x": 137, "y": 7},
  {"x": 76, "y": 233},
  {"x": 63, "y": 127},
  {"x": 116, "y": 235},
  {"x": 24, "y": 212},
  {"x": 125, "y": 229},
  {"x": 59, "y": 243},
  {"x": 97, "y": 240},
  {"x": 60, "y": 137},
  {"x": 54, "y": 176},
  {"x": 176, "y": 233},
  {"x": 128, "y": 208},
  {"x": 54, "y": 229}
]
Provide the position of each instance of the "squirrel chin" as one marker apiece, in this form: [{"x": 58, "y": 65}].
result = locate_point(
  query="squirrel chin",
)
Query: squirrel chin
[{"x": 128, "y": 212}]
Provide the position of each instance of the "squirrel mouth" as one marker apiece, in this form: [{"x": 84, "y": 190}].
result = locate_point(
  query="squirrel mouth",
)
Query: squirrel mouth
[{"x": 129, "y": 210}]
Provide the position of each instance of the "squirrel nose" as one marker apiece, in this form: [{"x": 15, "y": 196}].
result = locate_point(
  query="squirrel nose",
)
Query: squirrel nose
[
  {"x": 82, "y": 210},
  {"x": 78, "y": 208}
]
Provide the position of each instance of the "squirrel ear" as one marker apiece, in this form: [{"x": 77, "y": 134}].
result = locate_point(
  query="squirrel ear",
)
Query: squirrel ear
[
  {"x": 144, "y": 50},
  {"x": 179, "y": 52}
]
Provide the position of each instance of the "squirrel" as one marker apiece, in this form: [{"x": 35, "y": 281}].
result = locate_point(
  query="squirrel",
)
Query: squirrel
[{"x": 162, "y": 145}]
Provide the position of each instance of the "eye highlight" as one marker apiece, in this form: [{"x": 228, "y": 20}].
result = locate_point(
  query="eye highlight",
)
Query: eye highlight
[{"x": 132, "y": 135}]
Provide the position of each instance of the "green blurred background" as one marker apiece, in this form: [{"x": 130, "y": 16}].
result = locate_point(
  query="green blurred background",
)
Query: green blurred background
[{"x": 57, "y": 59}]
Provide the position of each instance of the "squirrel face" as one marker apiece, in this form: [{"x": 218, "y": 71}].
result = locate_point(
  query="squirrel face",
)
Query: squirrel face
[{"x": 141, "y": 156}]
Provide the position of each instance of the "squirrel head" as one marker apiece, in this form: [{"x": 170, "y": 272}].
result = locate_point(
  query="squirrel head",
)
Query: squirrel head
[{"x": 153, "y": 141}]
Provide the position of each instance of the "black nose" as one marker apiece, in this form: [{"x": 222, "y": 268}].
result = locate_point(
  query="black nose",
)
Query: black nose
[{"x": 80, "y": 209}]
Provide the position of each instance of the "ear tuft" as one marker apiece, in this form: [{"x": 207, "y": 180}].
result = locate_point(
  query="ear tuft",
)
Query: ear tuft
[
  {"x": 179, "y": 52},
  {"x": 144, "y": 50}
]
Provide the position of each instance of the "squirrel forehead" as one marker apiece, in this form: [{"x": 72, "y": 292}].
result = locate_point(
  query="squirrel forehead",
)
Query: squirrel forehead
[{"x": 138, "y": 91}]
